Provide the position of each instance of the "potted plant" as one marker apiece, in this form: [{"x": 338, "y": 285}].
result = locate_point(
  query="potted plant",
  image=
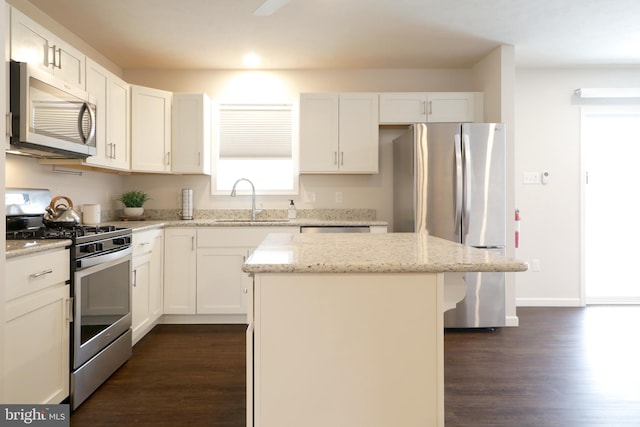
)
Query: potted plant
[{"x": 133, "y": 201}]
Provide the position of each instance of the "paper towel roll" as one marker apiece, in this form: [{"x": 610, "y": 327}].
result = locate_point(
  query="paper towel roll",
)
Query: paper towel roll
[{"x": 91, "y": 214}]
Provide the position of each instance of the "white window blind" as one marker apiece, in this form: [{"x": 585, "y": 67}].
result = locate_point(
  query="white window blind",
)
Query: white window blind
[{"x": 256, "y": 131}]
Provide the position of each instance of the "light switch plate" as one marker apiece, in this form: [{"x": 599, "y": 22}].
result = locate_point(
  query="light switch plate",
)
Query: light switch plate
[{"x": 531, "y": 178}]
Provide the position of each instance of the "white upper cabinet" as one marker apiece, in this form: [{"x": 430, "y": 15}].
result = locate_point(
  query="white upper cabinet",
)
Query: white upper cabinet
[
  {"x": 191, "y": 134},
  {"x": 112, "y": 137},
  {"x": 339, "y": 133},
  {"x": 435, "y": 107},
  {"x": 150, "y": 129},
  {"x": 32, "y": 43},
  {"x": 406, "y": 107}
]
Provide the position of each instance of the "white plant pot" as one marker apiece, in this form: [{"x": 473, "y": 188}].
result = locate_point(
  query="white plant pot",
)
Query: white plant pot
[{"x": 133, "y": 211}]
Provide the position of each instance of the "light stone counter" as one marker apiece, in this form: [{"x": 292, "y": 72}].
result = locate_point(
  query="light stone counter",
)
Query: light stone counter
[
  {"x": 16, "y": 248},
  {"x": 235, "y": 222},
  {"x": 371, "y": 253}
]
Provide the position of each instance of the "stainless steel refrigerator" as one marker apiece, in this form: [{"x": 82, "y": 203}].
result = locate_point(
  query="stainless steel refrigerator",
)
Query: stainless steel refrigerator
[{"x": 449, "y": 180}]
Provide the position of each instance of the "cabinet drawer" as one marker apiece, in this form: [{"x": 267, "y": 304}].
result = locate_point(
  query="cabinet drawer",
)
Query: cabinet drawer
[
  {"x": 143, "y": 241},
  {"x": 237, "y": 236},
  {"x": 33, "y": 272}
]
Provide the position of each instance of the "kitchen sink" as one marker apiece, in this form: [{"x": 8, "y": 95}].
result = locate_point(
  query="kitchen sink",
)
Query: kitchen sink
[{"x": 250, "y": 220}]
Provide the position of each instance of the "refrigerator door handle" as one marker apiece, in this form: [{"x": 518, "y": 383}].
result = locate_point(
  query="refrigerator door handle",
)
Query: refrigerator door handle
[
  {"x": 466, "y": 155},
  {"x": 458, "y": 183}
]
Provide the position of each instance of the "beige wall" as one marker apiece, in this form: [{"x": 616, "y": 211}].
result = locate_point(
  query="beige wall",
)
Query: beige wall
[
  {"x": 548, "y": 139},
  {"x": 89, "y": 187}
]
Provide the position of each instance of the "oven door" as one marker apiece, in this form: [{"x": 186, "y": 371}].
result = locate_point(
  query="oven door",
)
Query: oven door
[{"x": 102, "y": 304}]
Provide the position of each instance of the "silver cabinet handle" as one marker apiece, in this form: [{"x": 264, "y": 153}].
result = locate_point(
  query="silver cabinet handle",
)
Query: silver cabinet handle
[
  {"x": 430, "y": 108},
  {"x": 335, "y": 157},
  {"x": 342, "y": 158},
  {"x": 40, "y": 273},
  {"x": 70, "y": 309},
  {"x": 135, "y": 278},
  {"x": 52, "y": 60}
]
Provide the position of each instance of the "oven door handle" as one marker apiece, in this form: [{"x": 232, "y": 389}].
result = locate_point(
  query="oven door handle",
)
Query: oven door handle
[{"x": 101, "y": 259}]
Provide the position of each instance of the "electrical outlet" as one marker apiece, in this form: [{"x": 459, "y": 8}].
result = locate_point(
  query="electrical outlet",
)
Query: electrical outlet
[
  {"x": 531, "y": 178},
  {"x": 535, "y": 265},
  {"x": 338, "y": 196},
  {"x": 310, "y": 196}
]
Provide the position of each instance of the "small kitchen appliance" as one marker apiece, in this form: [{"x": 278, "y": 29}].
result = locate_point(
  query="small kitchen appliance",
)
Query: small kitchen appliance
[
  {"x": 48, "y": 118},
  {"x": 100, "y": 286}
]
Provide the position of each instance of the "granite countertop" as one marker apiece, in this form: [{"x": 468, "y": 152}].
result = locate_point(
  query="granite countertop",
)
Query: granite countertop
[
  {"x": 234, "y": 222},
  {"x": 371, "y": 253},
  {"x": 16, "y": 248}
]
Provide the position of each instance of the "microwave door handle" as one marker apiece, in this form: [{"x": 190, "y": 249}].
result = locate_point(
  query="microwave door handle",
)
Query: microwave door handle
[{"x": 92, "y": 123}]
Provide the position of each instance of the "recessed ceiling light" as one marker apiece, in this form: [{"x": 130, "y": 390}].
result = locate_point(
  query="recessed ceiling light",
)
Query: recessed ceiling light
[{"x": 251, "y": 60}]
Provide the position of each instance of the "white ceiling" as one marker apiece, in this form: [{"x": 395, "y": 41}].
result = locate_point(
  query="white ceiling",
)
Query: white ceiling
[{"x": 306, "y": 34}]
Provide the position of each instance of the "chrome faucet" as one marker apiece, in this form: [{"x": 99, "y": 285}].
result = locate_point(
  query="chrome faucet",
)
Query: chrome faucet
[{"x": 254, "y": 211}]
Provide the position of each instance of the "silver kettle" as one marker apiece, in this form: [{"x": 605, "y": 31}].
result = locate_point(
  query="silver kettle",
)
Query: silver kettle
[{"x": 61, "y": 214}]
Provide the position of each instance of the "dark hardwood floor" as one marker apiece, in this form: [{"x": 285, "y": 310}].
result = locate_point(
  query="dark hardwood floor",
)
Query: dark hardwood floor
[{"x": 562, "y": 367}]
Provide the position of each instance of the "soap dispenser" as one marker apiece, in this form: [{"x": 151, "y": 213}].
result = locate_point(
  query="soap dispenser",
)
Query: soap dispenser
[{"x": 291, "y": 212}]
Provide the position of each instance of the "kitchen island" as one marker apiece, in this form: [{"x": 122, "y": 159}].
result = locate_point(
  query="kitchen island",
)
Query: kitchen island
[{"x": 347, "y": 329}]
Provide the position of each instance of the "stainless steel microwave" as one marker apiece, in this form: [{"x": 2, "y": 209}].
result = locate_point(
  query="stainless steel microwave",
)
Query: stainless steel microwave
[{"x": 49, "y": 118}]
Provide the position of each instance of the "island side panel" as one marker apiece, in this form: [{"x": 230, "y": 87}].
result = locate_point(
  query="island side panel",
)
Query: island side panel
[{"x": 348, "y": 349}]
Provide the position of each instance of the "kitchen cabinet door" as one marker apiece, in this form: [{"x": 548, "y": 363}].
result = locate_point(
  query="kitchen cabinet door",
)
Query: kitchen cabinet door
[
  {"x": 222, "y": 285},
  {"x": 32, "y": 43},
  {"x": 150, "y": 129},
  {"x": 98, "y": 88},
  {"x": 358, "y": 133},
  {"x": 156, "y": 275},
  {"x": 180, "y": 271},
  {"x": 36, "y": 369},
  {"x": 140, "y": 309},
  {"x": 451, "y": 107},
  {"x": 339, "y": 133},
  {"x": 118, "y": 124},
  {"x": 319, "y": 133},
  {"x": 191, "y": 134},
  {"x": 147, "y": 279},
  {"x": 403, "y": 107}
]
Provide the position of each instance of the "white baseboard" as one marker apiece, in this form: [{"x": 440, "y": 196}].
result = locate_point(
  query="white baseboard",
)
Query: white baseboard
[
  {"x": 613, "y": 300},
  {"x": 187, "y": 319},
  {"x": 548, "y": 302},
  {"x": 512, "y": 321}
]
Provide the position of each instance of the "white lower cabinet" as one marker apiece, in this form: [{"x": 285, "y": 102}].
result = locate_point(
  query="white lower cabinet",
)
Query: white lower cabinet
[
  {"x": 37, "y": 317},
  {"x": 222, "y": 286},
  {"x": 203, "y": 270},
  {"x": 147, "y": 281},
  {"x": 180, "y": 271}
]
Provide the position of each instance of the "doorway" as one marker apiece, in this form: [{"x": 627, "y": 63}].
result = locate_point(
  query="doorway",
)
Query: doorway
[{"x": 610, "y": 140}]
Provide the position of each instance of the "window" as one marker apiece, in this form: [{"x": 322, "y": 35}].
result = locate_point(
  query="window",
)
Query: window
[{"x": 257, "y": 142}]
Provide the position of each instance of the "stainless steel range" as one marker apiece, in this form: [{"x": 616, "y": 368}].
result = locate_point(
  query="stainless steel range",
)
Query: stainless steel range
[{"x": 100, "y": 288}]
